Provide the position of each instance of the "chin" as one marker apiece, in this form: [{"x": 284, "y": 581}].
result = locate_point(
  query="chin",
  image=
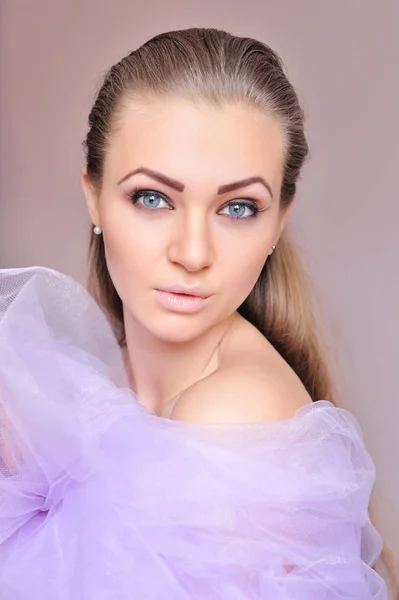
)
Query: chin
[{"x": 178, "y": 328}]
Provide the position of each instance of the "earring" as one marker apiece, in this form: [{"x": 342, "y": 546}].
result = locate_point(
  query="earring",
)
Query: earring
[
  {"x": 272, "y": 250},
  {"x": 97, "y": 230}
]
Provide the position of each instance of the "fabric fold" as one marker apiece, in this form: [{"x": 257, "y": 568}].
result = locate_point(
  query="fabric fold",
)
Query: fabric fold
[{"x": 100, "y": 499}]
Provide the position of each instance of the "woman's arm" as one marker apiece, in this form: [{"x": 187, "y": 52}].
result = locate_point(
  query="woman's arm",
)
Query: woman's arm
[
  {"x": 7, "y": 460},
  {"x": 232, "y": 396}
]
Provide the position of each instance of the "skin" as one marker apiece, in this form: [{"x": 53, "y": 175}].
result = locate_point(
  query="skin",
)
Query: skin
[{"x": 197, "y": 366}]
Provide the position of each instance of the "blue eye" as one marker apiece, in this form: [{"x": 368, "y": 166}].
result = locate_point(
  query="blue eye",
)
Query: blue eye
[
  {"x": 238, "y": 209},
  {"x": 148, "y": 199},
  {"x": 152, "y": 200}
]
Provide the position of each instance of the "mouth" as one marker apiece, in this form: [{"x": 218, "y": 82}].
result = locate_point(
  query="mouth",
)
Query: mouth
[
  {"x": 182, "y": 292},
  {"x": 181, "y": 301}
]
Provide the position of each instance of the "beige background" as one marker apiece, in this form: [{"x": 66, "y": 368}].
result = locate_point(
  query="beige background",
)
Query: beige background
[{"x": 343, "y": 57}]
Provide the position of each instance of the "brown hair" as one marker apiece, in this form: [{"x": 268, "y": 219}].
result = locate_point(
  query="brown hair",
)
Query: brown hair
[
  {"x": 209, "y": 65},
  {"x": 214, "y": 66}
]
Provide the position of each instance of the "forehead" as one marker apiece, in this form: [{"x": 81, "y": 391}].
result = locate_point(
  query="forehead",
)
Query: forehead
[{"x": 196, "y": 142}]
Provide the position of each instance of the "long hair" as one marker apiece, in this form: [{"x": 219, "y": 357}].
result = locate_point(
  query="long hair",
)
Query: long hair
[{"x": 212, "y": 66}]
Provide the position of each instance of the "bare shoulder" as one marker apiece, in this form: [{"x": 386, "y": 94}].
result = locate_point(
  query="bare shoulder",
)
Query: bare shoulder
[
  {"x": 252, "y": 383},
  {"x": 240, "y": 395}
]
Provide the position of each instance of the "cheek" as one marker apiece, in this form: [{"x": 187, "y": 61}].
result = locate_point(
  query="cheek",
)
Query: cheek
[
  {"x": 131, "y": 257},
  {"x": 241, "y": 268},
  {"x": 129, "y": 240}
]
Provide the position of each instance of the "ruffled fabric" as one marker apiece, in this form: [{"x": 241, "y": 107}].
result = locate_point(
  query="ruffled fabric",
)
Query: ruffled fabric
[{"x": 101, "y": 500}]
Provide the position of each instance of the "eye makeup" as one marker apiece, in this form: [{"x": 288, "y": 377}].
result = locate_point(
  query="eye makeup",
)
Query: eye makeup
[
  {"x": 151, "y": 196},
  {"x": 149, "y": 199}
]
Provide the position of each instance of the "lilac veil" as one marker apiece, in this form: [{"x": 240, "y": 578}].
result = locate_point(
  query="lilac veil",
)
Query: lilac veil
[{"x": 101, "y": 500}]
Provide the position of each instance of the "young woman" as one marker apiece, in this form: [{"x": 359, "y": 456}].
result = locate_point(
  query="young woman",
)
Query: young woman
[{"x": 178, "y": 438}]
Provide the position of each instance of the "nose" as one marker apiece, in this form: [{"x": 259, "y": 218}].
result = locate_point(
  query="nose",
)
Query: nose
[{"x": 191, "y": 243}]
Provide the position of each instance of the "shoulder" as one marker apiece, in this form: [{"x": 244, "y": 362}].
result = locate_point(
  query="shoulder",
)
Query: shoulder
[{"x": 241, "y": 395}]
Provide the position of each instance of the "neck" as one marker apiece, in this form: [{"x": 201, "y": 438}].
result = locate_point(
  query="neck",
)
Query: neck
[{"x": 159, "y": 370}]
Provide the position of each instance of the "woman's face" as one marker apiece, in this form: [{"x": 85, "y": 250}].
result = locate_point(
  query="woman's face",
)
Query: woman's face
[{"x": 190, "y": 200}]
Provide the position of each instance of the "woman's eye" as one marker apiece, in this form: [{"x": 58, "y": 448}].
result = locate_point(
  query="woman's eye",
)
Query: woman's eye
[
  {"x": 238, "y": 209},
  {"x": 149, "y": 199}
]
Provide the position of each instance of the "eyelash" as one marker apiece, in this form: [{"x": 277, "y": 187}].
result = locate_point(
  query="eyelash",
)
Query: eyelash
[{"x": 137, "y": 193}]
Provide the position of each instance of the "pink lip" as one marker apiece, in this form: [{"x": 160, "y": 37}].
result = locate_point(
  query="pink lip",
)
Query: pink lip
[
  {"x": 181, "y": 302},
  {"x": 190, "y": 291}
]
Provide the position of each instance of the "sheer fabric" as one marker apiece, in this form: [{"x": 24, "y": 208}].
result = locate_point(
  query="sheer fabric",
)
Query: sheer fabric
[{"x": 101, "y": 500}]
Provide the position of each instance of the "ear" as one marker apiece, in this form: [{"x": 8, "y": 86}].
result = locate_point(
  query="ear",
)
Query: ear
[
  {"x": 91, "y": 196},
  {"x": 285, "y": 213}
]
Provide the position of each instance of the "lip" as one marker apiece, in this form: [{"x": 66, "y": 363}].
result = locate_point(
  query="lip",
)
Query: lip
[
  {"x": 181, "y": 301},
  {"x": 182, "y": 289}
]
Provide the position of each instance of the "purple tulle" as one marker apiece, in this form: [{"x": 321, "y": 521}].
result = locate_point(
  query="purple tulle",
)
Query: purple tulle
[{"x": 101, "y": 500}]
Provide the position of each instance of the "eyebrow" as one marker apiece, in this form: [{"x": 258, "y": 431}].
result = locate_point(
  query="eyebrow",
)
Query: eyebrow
[{"x": 177, "y": 185}]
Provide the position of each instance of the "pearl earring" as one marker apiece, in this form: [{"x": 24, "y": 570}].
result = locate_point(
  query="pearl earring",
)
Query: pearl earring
[
  {"x": 97, "y": 230},
  {"x": 272, "y": 250}
]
